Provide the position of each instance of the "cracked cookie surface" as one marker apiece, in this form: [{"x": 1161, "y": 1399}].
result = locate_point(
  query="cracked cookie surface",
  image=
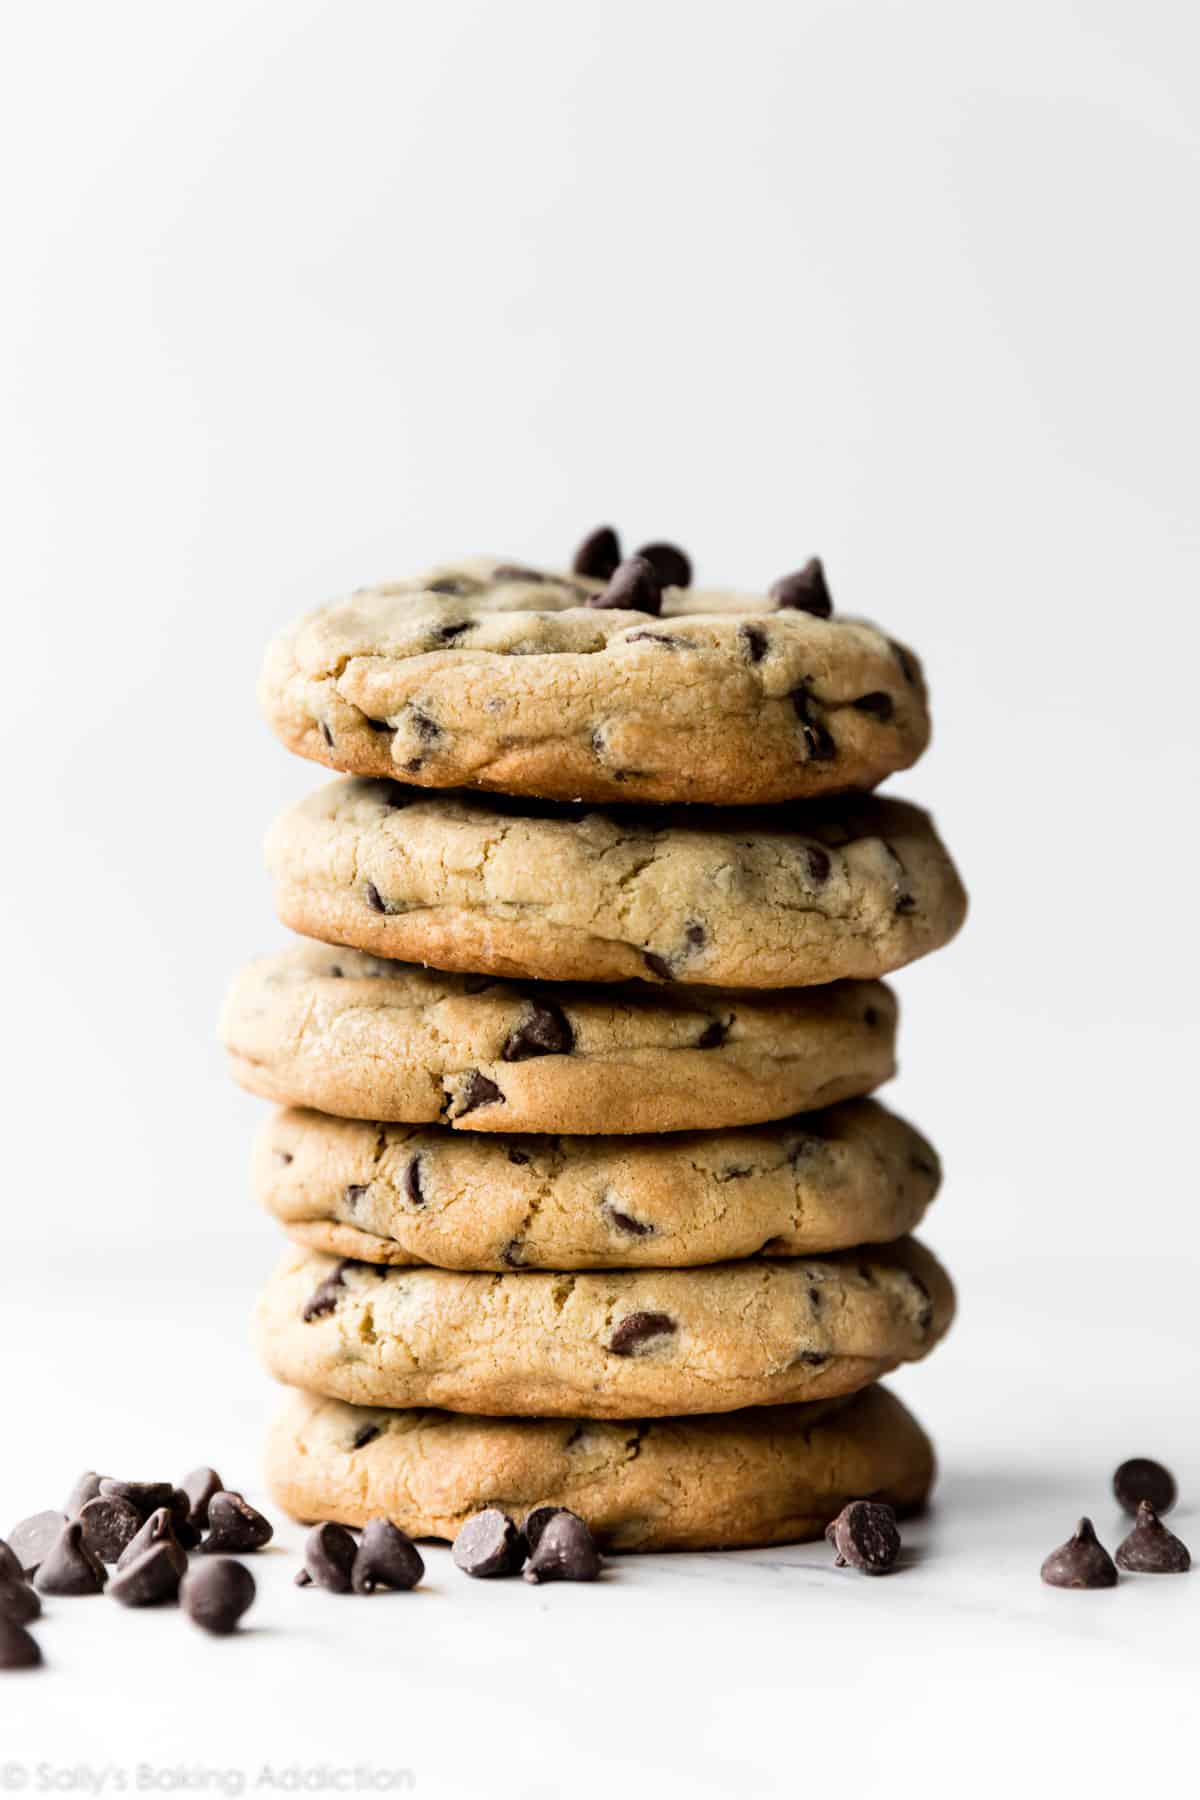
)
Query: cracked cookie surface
[
  {"x": 480, "y": 675},
  {"x": 363, "y": 1038},
  {"x": 415, "y": 1195},
  {"x": 772, "y": 897},
  {"x": 620, "y": 1344},
  {"x": 768, "y": 1475}
]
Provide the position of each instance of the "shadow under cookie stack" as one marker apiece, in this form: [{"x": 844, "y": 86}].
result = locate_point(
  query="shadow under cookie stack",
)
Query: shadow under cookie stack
[{"x": 587, "y": 1205}]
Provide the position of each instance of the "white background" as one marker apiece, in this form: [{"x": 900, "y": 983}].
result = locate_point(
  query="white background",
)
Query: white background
[{"x": 297, "y": 296}]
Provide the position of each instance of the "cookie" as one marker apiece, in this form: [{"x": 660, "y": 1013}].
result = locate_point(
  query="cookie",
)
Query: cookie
[
  {"x": 623, "y": 1344},
  {"x": 769, "y": 1475},
  {"x": 367, "y": 1039},
  {"x": 413, "y": 1195},
  {"x": 768, "y": 898},
  {"x": 484, "y": 676}
]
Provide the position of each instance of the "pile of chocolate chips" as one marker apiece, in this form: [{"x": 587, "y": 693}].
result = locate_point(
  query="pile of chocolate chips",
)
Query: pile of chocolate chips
[
  {"x": 143, "y": 1531},
  {"x": 635, "y": 583},
  {"x": 553, "y": 1544},
  {"x": 1145, "y": 1490}
]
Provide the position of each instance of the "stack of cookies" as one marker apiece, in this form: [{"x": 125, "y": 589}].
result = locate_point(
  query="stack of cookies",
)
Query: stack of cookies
[{"x": 587, "y": 1205}]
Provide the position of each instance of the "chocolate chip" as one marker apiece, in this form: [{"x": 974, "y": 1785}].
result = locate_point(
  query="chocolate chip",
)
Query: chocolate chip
[
  {"x": 329, "y": 1553},
  {"x": 215, "y": 1595},
  {"x": 386, "y": 1558},
  {"x": 1141, "y": 1478},
  {"x": 200, "y": 1485},
  {"x": 86, "y": 1488},
  {"x": 518, "y": 1157},
  {"x": 544, "y": 1031},
  {"x": 865, "y": 1537},
  {"x": 511, "y": 1255},
  {"x": 536, "y": 1521},
  {"x": 806, "y": 590},
  {"x": 669, "y": 564},
  {"x": 452, "y": 584},
  {"x": 34, "y": 1537},
  {"x": 871, "y": 1017},
  {"x": 19, "y": 1603},
  {"x": 158, "y": 1533},
  {"x": 667, "y": 639},
  {"x": 563, "y": 1551},
  {"x": 1150, "y": 1549},
  {"x": 713, "y": 1036},
  {"x": 477, "y": 1091},
  {"x": 181, "y": 1518},
  {"x": 110, "y": 1525},
  {"x": 373, "y": 898},
  {"x": 144, "y": 1496},
  {"x": 905, "y": 904},
  {"x": 817, "y": 862},
  {"x": 658, "y": 965},
  {"x": 518, "y": 572},
  {"x": 234, "y": 1527},
  {"x": 325, "y": 1296},
  {"x": 449, "y": 634},
  {"x": 413, "y": 1191},
  {"x": 10, "y": 1564},
  {"x": 634, "y": 587},
  {"x": 640, "y": 1328},
  {"x": 821, "y": 747},
  {"x": 353, "y": 1195},
  {"x": 327, "y": 734},
  {"x": 150, "y": 1580},
  {"x": 423, "y": 725},
  {"x": 755, "y": 640},
  {"x": 624, "y": 1222},
  {"x": 489, "y": 1545},
  {"x": 366, "y": 1434},
  {"x": 599, "y": 554},
  {"x": 1082, "y": 1562},
  {"x": 17, "y": 1649},
  {"x": 69, "y": 1567},
  {"x": 877, "y": 706}
]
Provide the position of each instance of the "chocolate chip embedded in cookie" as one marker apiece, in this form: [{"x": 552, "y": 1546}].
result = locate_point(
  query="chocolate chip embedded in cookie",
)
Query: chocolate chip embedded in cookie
[
  {"x": 361, "y": 1038},
  {"x": 767, "y": 898},
  {"x": 646, "y": 1342},
  {"x": 763, "y": 1475},
  {"x": 481, "y": 674}
]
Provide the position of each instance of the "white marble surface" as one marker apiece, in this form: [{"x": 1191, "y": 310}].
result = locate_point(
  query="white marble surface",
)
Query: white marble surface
[{"x": 718, "y": 1674}]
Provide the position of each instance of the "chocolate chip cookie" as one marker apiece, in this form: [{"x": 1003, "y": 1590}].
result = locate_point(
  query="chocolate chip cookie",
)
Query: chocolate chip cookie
[
  {"x": 353, "y": 1035},
  {"x": 478, "y": 674},
  {"x": 767, "y": 1475},
  {"x": 625, "y": 1343},
  {"x": 411, "y": 1195},
  {"x": 767, "y": 898}
]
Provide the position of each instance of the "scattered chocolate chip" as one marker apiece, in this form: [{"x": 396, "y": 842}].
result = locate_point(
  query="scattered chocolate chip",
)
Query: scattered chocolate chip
[
  {"x": 366, "y": 1434},
  {"x": 386, "y": 1558},
  {"x": 215, "y": 1595},
  {"x": 877, "y": 706},
  {"x": 1150, "y": 1549},
  {"x": 477, "y": 1091},
  {"x": 599, "y": 554},
  {"x": 625, "y": 1222},
  {"x": 544, "y": 1031},
  {"x": 325, "y": 1296},
  {"x": 713, "y": 1035},
  {"x": 234, "y": 1527},
  {"x": 640, "y": 1328},
  {"x": 144, "y": 1496},
  {"x": 413, "y": 1191},
  {"x": 634, "y": 587},
  {"x": 327, "y": 734},
  {"x": 518, "y": 572},
  {"x": 110, "y": 1525},
  {"x": 34, "y": 1537},
  {"x": 488, "y": 1545},
  {"x": 69, "y": 1567},
  {"x": 536, "y": 1521},
  {"x": 458, "y": 585},
  {"x": 755, "y": 640},
  {"x": 19, "y": 1603},
  {"x": 821, "y": 747},
  {"x": 10, "y": 1564},
  {"x": 17, "y": 1649},
  {"x": 864, "y": 1535},
  {"x": 657, "y": 965},
  {"x": 564, "y": 1550},
  {"x": 85, "y": 1489},
  {"x": 1082, "y": 1562},
  {"x": 158, "y": 1533},
  {"x": 329, "y": 1553},
  {"x": 1141, "y": 1478},
  {"x": 200, "y": 1486},
  {"x": 669, "y": 564},
  {"x": 152, "y": 1578},
  {"x": 817, "y": 862},
  {"x": 806, "y": 590},
  {"x": 373, "y": 897}
]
